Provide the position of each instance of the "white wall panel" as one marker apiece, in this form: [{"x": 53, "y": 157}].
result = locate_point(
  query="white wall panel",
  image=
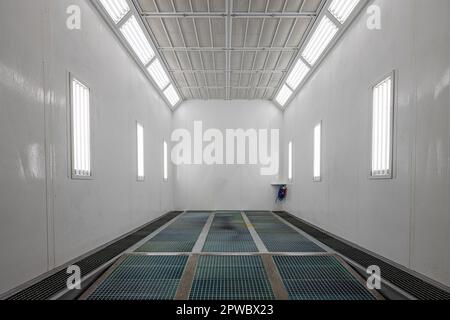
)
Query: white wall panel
[
  {"x": 82, "y": 215},
  {"x": 225, "y": 186},
  {"x": 23, "y": 221},
  {"x": 405, "y": 219}
]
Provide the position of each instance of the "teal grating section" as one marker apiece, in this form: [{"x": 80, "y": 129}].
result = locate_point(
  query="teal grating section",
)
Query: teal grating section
[
  {"x": 231, "y": 278},
  {"x": 143, "y": 278},
  {"x": 180, "y": 236},
  {"x": 279, "y": 237},
  {"x": 229, "y": 233},
  {"x": 319, "y": 278}
]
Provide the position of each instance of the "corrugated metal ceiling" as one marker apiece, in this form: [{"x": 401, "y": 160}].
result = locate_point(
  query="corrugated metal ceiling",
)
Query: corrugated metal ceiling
[{"x": 229, "y": 49}]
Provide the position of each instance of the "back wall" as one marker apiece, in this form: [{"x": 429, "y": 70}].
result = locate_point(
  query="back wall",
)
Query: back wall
[{"x": 223, "y": 187}]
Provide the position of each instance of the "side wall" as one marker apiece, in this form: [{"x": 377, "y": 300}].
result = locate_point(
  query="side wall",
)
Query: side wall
[
  {"x": 406, "y": 219},
  {"x": 47, "y": 219},
  {"x": 221, "y": 187}
]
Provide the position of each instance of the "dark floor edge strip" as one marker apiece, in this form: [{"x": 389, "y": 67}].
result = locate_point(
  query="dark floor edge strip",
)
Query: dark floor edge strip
[
  {"x": 45, "y": 287},
  {"x": 411, "y": 284}
]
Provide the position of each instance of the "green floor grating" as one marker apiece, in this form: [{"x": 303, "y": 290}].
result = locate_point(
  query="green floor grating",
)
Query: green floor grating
[
  {"x": 142, "y": 278},
  {"x": 319, "y": 278},
  {"x": 279, "y": 237},
  {"x": 229, "y": 233},
  {"x": 180, "y": 236},
  {"x": 220, "y": 275},
  {"x": 231, "y": 278}
]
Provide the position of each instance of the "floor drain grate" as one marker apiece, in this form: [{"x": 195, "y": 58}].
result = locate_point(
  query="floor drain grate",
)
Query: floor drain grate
[
  {"x": 231, "y": 278},
  {"x": 319, "y": 278},
  {"x": 229, "y": 233},
  {"x": 142, "y": 278},
  {"x": 180, "y": 236},
  {"x": 279, "y": 237}
]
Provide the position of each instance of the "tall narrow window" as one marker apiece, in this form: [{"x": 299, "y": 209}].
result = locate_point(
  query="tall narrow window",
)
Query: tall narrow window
[
  {"x": 166, "y": 161},
  {"x": 140, "y": 152},
  {"x": 290, "y": 160},
  {"x": 382, "y": 128},
  {"x": 80, "y": 130},
  {"x": 318, "y": 152}
]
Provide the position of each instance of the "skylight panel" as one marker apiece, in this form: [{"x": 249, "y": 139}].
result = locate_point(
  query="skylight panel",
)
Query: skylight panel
[
  {"x": 117, "y": 9},
  {"x": 137, "y": 40},
  {"x": 297, "y": 75},
  {"x": 158, "y": 74},
  {"x": 320, "y": 40},
  {"x": 342, "y": 9},
  {"x": 284, "y": 95},
  {"x": 172, "y": 95}
]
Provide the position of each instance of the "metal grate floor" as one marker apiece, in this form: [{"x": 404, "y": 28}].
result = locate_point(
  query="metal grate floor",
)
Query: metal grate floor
[
  {"x": 156, "y": 270},
  {"x": 180, "y": 236},
  {"x": 319, "y": 278},
  {"x": 279, "y": 237},
  {"x": 231, "y": 278},
  {"x": 143, "y": 278},
  {"x": 229, "y": 233}
]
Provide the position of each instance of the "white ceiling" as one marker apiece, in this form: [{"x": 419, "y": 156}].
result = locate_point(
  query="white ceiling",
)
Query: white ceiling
[{"x": 192, "y": 37}]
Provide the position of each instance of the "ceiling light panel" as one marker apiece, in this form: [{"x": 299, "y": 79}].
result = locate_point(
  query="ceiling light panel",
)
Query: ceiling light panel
[
  {"x": 342, "y": 9},
  {"x": 137, "y": 40},
  {"x": 297, "y": 75},
  {"x": 284, "y": 95},
  {"x": 320, "y": 40},
  {"x": 172, "y": 95},
  {"x": 117, "y": 9},
  {"x": 158, "y": 74}
]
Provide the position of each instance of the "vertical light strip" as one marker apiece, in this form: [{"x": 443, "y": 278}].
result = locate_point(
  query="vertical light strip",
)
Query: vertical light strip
[
  {"x": 318, "y": 152},
  {"x": 342, "y": 9},
  {"x": 382, "y": 110},
  {"x": 140, "y": 152},
  {"x": 290, "y": 162},
  {"x": 81, "y": 130},
  {"x": 320, "y": 40},
  {"x": 166, "y": 161}
]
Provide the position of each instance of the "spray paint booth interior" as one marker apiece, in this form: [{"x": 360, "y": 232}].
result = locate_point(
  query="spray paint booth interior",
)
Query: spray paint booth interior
[{"x": 225, "y": 149}]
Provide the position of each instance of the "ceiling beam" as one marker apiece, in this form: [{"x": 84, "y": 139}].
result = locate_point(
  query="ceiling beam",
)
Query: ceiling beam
[
  {"x": 232, "y": 71},
  {"x": 233, "y": 87},
  {"x": 236, "y": 49},
  {"x": 245, "y": 15},
  {"x": 228, "y": 45}
]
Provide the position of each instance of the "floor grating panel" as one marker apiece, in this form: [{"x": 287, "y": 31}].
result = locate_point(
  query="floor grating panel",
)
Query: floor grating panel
[
  {"x": 319, "y": 278},
  {"x": 143, "y": 278},
  {"x": 231, "y": 278},
  {"x": 229, "y": 233},
  {"x": 180, "y": 236},
  {"x": 279, "y": 237}
]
